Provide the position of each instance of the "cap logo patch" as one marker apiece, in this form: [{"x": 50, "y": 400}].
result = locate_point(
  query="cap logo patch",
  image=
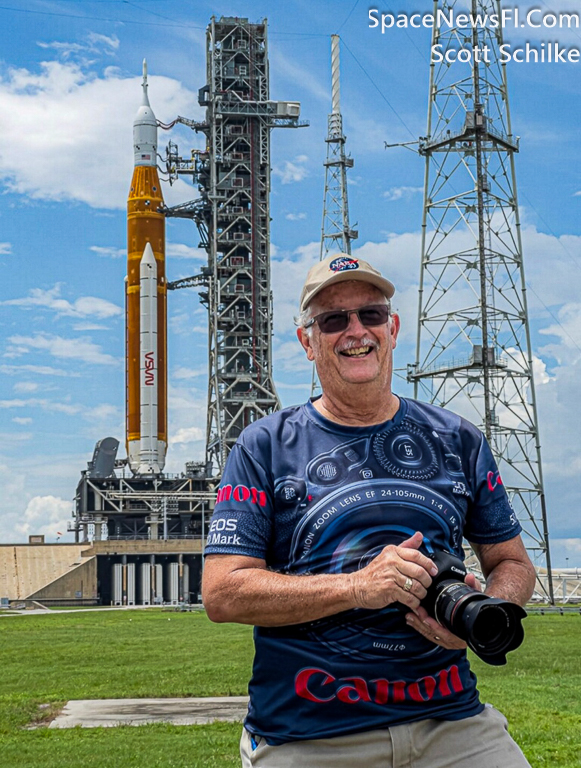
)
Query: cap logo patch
[{"x": 343, "y": 263}]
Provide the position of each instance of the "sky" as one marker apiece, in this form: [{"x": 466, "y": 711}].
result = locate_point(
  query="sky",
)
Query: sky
[{"x": 70, "y": 75}]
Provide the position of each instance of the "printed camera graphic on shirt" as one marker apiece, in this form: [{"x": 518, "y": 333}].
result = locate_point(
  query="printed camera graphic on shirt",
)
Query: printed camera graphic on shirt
[{"x": 405, "y": 451}]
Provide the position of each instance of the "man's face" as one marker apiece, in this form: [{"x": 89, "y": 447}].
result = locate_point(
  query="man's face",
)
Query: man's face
[{"x": 357, "y": 355}]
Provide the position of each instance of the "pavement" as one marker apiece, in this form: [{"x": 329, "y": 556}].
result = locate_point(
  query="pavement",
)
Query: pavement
[
  {"x": 106, "y": 713},
  {"x": 192, "y": 607}
]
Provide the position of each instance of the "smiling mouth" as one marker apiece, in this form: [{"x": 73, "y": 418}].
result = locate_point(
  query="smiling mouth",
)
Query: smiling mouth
[{"x": 356, "y": 351}]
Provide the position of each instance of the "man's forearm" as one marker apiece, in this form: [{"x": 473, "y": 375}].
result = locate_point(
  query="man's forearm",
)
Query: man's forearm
[
  {"x": 510, "y": 580},
  {"x": 241, "y": 589},
  {"x": 270, "y": 599},
  {"x": 509, "y": 573}
]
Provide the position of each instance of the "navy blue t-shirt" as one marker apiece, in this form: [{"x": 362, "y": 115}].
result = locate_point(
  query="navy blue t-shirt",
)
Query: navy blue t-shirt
[{"x": 308, "y": 495}]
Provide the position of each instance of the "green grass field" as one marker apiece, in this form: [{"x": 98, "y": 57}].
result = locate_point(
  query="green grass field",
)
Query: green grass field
[{"x": 47, "y": 660}]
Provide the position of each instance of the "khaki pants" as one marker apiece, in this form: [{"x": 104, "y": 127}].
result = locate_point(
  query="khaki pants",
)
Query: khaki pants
[{"x": 481, "y": 741}]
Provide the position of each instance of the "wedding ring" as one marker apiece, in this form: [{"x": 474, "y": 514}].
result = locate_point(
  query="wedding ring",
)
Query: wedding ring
[{"x": 408, "y": 584}]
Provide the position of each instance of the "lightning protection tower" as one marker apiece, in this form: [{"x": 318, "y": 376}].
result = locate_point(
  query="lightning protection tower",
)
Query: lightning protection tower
[
  {"x": 336, "y": 233},
  {"x": 473, "y": 345},
  {"x": 233, "y": 218}
]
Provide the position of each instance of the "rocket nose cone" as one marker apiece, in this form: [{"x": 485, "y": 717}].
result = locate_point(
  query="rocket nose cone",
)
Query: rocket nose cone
[
  {"x": 148, "y": 255},
  {"x": 145, "y": 113}
]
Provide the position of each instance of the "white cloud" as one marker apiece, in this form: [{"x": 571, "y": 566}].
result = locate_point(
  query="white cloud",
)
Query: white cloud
[
  {"x": 46, "y": 515},
  {"x": 187, "y": 426},
  {"x": 572, "y": 545},
  {"x": 5, "y": 248},
  {"x": 102, "y": 42},
  {"x": 399, "y": 193},
  {"x": 95, "y": 44},
  {"x": 15, "y": 437},
  {"x": 296, "y": 216},
  {"x": 25, "y": 386},
  {"x": 43, "y": 404},
  {"x": 109, "y": 252},
  {"x": 290, "y": 357},
  {"x": 41, "y": 370},
  {"x": 565, "y": 552},
  {"x": 85, "y": 306},
  {"x": 103, "y": 412},
  {"x": 187, "y": 435},
  {"x": 182, "y": 251},
  {"x": 104, "y": 417},
  {"x": 12, "y": 499},
  {"x": 70, "y": 349},
  {"x": 189, "y": 373},
  {"x": 60, "y": 119},
  {"x": 182, "y": 323},
  {"x": 294, "y": 171},
  {"x": 89, "y": 327},
  {"x": 567, "y": 329},
  {"x": 550, "y": 263}
]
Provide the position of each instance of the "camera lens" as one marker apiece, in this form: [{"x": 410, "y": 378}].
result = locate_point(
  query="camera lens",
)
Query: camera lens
[{"x": 490, "y": 626}]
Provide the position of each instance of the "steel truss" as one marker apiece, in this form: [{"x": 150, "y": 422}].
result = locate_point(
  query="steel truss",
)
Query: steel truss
[
  {"x": 233, "y": 218},
  {"x": 133, "y": 508},
  {"x": 473, "y": 345}
]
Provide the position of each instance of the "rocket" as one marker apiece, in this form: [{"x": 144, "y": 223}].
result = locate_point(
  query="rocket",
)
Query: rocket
[{"x": 146, "y": 309}]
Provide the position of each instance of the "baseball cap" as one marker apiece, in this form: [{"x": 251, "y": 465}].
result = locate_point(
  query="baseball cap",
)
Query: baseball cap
[{"x": 339, "y": 268}]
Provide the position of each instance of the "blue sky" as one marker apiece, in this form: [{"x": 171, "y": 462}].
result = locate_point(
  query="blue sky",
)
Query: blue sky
[{"x": 69, "y": 88}]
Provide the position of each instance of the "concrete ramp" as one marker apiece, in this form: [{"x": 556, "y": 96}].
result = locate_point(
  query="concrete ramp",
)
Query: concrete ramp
[
  {"x": 103, "y": 713},
  {"x": 27, "y": 568}
]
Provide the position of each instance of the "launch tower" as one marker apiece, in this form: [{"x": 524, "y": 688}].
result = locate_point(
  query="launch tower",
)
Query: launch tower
[
  {"x": 233, "y": 218},
  {"x": 473, "y": 345}
]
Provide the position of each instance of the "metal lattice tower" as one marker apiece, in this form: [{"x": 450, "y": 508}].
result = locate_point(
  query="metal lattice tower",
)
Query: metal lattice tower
[
  {"x": 473, "y": 345},
  {"x": 336, "y": 233},
  {"x": 233, "y": 218}
]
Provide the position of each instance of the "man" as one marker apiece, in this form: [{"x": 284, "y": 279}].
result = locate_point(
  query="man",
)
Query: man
[{"x": 323, "y": 523}]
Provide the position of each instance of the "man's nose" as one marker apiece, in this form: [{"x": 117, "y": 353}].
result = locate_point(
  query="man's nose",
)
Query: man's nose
[{"x": 355, "y": 324}]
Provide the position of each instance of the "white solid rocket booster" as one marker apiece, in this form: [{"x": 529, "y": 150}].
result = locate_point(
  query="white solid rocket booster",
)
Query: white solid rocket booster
[{"x": 149, "y": 459}]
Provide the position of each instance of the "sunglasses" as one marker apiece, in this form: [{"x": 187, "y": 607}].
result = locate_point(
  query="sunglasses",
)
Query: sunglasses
[{"x": 337, "y": 320}]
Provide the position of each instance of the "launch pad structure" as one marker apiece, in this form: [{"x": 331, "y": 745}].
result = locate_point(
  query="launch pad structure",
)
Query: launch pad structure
[{"x": 117, "y": 503}]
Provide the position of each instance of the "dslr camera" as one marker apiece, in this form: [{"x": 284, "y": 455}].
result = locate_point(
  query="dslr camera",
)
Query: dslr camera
[{"x": 491, "y": 627}]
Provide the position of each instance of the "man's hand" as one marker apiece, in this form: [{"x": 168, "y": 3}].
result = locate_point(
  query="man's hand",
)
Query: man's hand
[
  {"x": 429, "y": 627},
  {"x": 398, "y": 574}
]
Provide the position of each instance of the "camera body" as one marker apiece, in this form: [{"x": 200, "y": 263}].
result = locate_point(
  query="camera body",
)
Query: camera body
[{"x": 491, "y": 627}]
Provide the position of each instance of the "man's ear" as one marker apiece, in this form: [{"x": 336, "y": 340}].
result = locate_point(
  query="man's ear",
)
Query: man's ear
[
  {"x": 305, "y": 340},
  {"x": 394, "y": 329}
]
